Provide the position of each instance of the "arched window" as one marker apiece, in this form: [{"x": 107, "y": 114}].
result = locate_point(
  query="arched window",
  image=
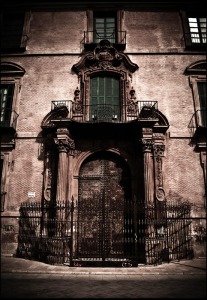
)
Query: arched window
[{"x": 104, "y": 98}]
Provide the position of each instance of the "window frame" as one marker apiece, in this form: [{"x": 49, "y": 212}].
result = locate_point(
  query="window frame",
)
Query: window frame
[
  {"x": 16, "y": 82},
  {"x": 118, "y": 15},
  {"x": 96, "y": 31},
  {"x": 186, "y": 29},
  {"x": 110, "y": 111},
  {"x": 24, "y": 35},
  {"x": 11, "y": 74},
  {"x": 194, "y": 80}
]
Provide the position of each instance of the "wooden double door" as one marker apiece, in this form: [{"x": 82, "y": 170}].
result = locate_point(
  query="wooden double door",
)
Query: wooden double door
[{"x": 105, "y": 221}]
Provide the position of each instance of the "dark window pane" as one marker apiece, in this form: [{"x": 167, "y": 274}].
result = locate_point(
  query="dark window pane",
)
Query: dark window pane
[
  {"x": 7, "y": 91},
  {"x": 12, "y": 29},
  {"x": 104, "y": 98},
  {"x": 202, "y": 98}
]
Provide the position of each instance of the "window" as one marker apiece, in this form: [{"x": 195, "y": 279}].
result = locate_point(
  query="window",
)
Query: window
[
  {"x": 7, "y": 92},
  {"x": 194, "y": 25},
  {"x": 198, "y": 84},
  {"x": 14, "y": 32},
  {"x": 104, "y": 98},
  {"x": 197, "y": 28},
  {"x": 197, "y": 78},
  {"x": 104, "y": 28},
  {"x": 104, "y": 25},
  {"x": 202, "y": 99},
  {"x": 11, "y": 76}
]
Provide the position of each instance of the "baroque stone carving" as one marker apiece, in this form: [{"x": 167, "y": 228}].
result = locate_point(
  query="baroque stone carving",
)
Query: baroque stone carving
[
  {"x": 49, "y": 176},
  {"x": 63, "y": 140},
  {"x": 158, "y": 154},
  {"x": 147, "y": 145},
  {"x": 158, "y": 150},
  {"x": 104, "y": 56},
  {"x": 77, "y": 104},
  {"x": 65, "y": 144},
  {"x": 132, "y": 108}
]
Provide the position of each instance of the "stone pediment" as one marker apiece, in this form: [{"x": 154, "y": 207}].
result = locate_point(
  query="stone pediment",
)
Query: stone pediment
[
  {"x": 58, "y": 114},
  {"x": 105, "y": 57}
]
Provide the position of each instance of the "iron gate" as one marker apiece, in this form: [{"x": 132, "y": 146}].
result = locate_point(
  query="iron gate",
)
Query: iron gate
[
  {"x": 105, "y": 228},
  {"x": 56, "y": 235}
]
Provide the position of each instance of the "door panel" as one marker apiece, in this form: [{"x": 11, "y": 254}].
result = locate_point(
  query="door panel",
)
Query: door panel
[{"x": 105, "y": 225}]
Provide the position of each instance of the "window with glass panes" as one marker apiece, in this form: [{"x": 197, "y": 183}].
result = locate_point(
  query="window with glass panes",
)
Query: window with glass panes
[
  {"x": 104, "y": 98},
  {"x": 197, "y": 28},
  {"x": 104, "y": 28},
  {"x": 202, "y": 98},
  {"x": 7, "y": 91}
]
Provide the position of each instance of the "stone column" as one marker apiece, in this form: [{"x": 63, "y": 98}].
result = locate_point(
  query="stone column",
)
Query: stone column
[
  {"x": 148, "y": 166},
  {"x": 65, "y": 145},
  {"x": 149, "y": 208}
]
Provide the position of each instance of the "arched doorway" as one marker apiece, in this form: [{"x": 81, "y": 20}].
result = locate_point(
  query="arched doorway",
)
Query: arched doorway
[{"x": 105, "y": 223}]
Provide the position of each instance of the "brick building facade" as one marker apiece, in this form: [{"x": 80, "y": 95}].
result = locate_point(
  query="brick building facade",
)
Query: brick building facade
[{"x": 103, "y": 131}]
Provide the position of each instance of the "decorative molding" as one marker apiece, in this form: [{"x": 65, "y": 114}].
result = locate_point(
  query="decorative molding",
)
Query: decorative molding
[
  {"x": 158, "y": 150},
  {"x": 58, "y": 113},
  {"x": 65, "y": 144},
  {"x": 64, "y": 140},
  {"x": 104, "y": 57},
  {"x": 147, "y": 145}
]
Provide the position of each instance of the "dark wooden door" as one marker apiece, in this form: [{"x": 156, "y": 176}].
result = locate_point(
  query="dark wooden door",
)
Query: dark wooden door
[{"x": 105, "y": 222}]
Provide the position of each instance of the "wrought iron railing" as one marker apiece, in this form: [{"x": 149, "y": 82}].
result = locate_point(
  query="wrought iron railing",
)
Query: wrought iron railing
[
  {"x": 49, "y": 233},
  {"x": 198, "y": 120},
  {"x": 8, "y": 118},
  {"x": 107, "y": 112},
  {"x": 95, "y": 37}
]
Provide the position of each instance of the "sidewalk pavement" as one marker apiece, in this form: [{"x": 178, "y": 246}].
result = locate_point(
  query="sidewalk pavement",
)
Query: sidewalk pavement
[{"x": 10, "y": 264}]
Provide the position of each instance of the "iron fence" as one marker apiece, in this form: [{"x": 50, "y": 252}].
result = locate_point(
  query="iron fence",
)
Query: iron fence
[{"x": 48, "y": 233}]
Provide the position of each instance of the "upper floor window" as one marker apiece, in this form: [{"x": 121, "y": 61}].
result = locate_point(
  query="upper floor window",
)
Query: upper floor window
[
  {"x": 104, "y": 26},
  {"x": 194, "y": 25},
  {"x": 11, "y": 76},
  {"x": 14, "y": 31},
  {"x": 197, "y": 78},
  {"x": 197, "y": 28}
]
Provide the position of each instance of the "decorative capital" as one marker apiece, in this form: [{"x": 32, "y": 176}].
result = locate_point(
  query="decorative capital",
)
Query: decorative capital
[
  {"x": 147, "y": 145},
  {"x": 63, "y": 140}
]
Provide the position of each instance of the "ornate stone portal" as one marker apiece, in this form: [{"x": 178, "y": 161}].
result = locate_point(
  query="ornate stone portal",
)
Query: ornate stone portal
[{"x": 62, "y": 139}]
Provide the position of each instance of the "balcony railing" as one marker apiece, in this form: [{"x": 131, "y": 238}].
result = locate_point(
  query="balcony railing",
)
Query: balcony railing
[
  {"x": 142, "y": 110},
  {"x": 8, "y": 119},
  {"x": 92, "y": 38},
  {"x": 197, "y": 121}
]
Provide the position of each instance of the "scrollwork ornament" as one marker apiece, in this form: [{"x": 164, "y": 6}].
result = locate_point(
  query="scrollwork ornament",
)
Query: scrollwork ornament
[
  {"x": 147, "y": 145},
  {"x": 159, "y": 150},
  {"x": 160, "y": 194}
]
